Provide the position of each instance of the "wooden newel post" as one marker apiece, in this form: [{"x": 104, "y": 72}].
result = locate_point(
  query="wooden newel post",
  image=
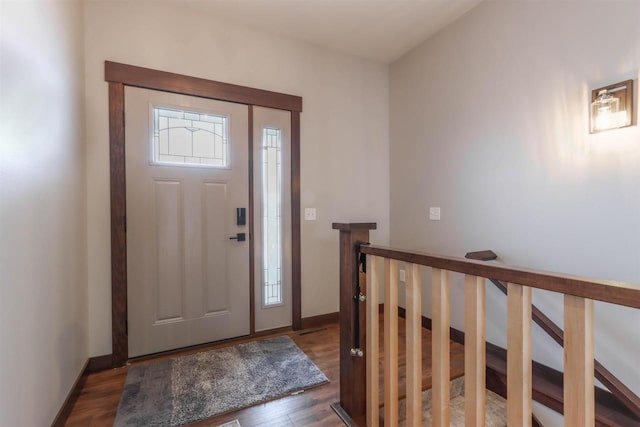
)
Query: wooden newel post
[{"x": 352, "y": 366}]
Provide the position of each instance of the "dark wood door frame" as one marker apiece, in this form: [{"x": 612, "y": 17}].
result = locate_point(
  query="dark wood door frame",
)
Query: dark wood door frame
[{"x": 120, "y": 75}]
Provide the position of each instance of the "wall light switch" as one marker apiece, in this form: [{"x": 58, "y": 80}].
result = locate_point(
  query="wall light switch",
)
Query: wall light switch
[
  {"x": 309, "y": 214},
  {"x": 403, "y": 276},
  {"x": 434, "y": 214}
]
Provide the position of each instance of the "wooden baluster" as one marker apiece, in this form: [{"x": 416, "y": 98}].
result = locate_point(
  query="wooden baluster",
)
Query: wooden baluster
[
  {"x": 578, "y": 362},
  {"x": 373, "y": 345},
  {"x": 414, "y": 345},
  {"x": 391, "y": 343},
  {"x": 474, "y": 352},
  {"x": 440, "y": 347},
  {"x": 518, "y": 355}
]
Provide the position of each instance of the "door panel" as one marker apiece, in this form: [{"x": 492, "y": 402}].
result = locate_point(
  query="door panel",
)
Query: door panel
[
  {"x": 169, "y": 283},
  {"x": 188, "y": 283},
  {"x": 272, "y": 217},
  {"x": 215, "y": 247}
]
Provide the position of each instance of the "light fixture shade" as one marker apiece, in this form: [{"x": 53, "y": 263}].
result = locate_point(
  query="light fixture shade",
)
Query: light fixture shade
[
  {"x": 612, "y": 107},
  {"x": 605, "y": 112}
]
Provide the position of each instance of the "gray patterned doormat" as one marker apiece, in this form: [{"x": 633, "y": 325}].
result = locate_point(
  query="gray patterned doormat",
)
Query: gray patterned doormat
[{"x": 178, "y": 391}]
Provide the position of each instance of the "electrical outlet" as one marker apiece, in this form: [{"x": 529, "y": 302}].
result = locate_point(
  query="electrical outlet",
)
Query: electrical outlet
[
  {"x": 434, "y": 214},
  {"x": 403, "y": 276}
]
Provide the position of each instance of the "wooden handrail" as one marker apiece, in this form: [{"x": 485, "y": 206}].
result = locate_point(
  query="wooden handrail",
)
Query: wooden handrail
[
  {"x": 600, "y": 290},
  {"x": 624, "y": 394},
  {"x": 357, "y": 387},
  {"x": 602, "y": 374}
]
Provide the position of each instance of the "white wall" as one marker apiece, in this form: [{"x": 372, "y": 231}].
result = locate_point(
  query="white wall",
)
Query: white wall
[
  {"x": 489, "y": 121},
  {"x": 43, "y": 293},
  {"x": 344, "y": 128}
]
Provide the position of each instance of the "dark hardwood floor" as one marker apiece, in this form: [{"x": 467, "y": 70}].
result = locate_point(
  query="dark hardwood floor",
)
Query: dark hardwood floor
[{"x": 98, "y": 401}]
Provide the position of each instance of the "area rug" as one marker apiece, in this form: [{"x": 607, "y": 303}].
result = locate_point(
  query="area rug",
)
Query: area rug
[{"x": 186, "y": 389}]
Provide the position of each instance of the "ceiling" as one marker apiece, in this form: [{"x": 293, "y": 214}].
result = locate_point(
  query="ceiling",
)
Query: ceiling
[{"x": 380, "y": 30}]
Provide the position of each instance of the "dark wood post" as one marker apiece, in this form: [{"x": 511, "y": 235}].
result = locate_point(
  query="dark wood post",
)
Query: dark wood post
[{"x": 352, "y": 367}]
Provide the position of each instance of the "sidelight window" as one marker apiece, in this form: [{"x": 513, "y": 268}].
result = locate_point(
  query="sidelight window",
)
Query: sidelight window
[{"x": 272, "y": 215}]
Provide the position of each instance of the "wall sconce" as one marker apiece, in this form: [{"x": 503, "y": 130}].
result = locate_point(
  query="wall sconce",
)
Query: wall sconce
[{"x": 612, "y": 106}]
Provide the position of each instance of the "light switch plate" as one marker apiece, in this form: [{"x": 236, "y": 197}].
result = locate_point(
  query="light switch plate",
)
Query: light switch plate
[
  {"x": 310, "y": 214},
  {"x": 434, "y": 214},
  {"x": 403, "y": 276}
]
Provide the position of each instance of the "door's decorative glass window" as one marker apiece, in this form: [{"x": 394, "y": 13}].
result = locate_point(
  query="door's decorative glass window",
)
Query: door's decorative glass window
[
  {"x": 189, "y": 137},
  {"x": 272, "y": 216}
]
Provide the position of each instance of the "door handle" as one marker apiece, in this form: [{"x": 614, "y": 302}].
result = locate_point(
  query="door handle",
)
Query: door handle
[{"x": 240, "y": 237}]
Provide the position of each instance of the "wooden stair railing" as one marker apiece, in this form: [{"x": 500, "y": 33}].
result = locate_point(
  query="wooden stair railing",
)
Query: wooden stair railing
[
  {"x": 623, "y": 393},
  {"x": 361, "y": 408},
  {"x": 351, "y": 407}
]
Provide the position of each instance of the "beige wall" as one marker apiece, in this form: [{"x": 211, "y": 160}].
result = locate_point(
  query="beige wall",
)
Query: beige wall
[
  {"x": 43, "y": 293},
  {"x": 344, "y": 130},
  {"x": 489, "y": 122}
]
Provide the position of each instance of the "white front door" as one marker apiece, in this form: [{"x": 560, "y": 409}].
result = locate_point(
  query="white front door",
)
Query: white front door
[{"x": 187, "y": 174}]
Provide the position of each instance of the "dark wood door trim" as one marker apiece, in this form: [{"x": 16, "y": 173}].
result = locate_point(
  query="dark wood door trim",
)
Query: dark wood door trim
[
  {"x": 252, "y": 267},
  {"x": 120, "y": 75},
  {"x": 130, "y": 75},
  {"x": 120, "y": 345},
  {"x": 296, "y": 266}
]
